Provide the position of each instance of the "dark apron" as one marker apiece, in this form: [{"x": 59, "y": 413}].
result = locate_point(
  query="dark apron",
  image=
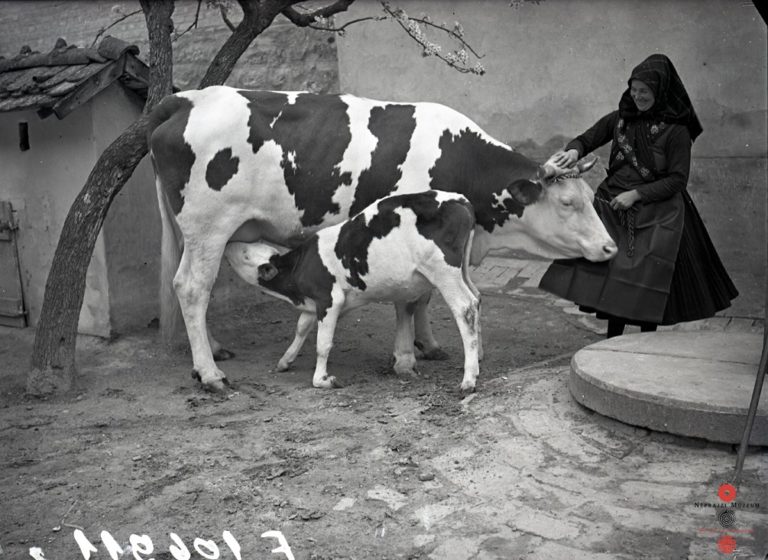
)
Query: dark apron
[{"x": 635, "y": 284}]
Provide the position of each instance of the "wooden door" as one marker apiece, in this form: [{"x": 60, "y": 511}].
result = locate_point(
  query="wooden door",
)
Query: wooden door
[{"x": 12, "y": 312}]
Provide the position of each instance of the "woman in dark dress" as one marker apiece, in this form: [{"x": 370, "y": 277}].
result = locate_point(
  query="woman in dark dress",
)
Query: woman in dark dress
[{"x": 667, "y": 270}]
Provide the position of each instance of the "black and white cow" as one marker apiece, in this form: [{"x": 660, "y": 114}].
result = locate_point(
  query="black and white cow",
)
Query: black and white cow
[
  {"x": 396, "y": 250},
  {"x": 240, "y": 165}
]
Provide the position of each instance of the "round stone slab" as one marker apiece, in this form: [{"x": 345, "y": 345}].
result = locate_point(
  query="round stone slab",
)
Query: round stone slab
[{"x": 695, "y": 384}]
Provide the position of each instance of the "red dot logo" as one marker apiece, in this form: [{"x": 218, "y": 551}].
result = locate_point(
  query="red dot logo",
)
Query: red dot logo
[
  {"x": 727, "y": 492},
  {"x": 726, "y": 544}
]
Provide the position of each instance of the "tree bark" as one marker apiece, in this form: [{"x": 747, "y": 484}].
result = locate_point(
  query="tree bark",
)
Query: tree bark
[
  {"x": 257, "y": 16},
  {"x": 53, "y": 353}
]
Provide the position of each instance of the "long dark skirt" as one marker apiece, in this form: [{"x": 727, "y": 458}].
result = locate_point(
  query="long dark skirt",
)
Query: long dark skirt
[{"x": 667, "y": 269}]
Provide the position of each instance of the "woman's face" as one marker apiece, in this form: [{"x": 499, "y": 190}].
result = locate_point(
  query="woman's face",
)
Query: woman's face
[{"x": 641, "y": 95}]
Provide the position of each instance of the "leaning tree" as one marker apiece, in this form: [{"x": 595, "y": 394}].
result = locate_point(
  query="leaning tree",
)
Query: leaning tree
[{"x": 53, "y": 365}]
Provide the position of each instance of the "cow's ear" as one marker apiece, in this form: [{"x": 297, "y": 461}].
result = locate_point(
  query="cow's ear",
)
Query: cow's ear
[
  {"x": 525, "y": 192},
  {"x": 267, "y": 271}
]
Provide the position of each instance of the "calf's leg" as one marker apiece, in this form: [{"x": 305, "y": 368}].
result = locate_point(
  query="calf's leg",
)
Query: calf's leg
[
  {"x": 325, "y": 330},
  {"x": 303, "y": 327},
  {"x": 425, "y": 340},
  {"x": 465, "y": 307},
  {"x": 405, "y": 359}
]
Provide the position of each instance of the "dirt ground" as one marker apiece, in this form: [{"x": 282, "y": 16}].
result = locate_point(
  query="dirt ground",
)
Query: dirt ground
[{"x": 385, "y": 467}]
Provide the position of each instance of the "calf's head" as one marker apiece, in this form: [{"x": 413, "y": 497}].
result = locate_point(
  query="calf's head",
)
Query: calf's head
[
  {"x": 252, "y": 261},
  {"x": 559, "y": 218}
]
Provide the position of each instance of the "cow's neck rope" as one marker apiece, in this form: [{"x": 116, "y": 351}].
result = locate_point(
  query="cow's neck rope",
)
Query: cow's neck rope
[{"x": 566, "y": 176}]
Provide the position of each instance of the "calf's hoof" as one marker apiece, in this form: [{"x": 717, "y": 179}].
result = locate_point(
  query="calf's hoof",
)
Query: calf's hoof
[
  {"x": 283, "y": 366},
  {"x": 222, "y": 354}
]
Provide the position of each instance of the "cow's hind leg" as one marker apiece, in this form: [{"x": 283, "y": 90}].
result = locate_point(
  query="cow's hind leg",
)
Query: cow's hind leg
[
  {"x": 425, "y": 340},
  {"x": 405, "y": 359},
  {"x": 193, "y": 282},
  {"x": 303, "y": 327}
]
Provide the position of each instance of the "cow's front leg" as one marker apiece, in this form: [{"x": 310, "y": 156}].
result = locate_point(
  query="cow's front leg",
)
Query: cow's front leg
[
  {"x": 405, "y": 359},
  {"x": 425, "y": 340},
  {"x": 325, "y": 331},
  {"x": 303, "y": 327},
  {"x": 193, "y": 282}
]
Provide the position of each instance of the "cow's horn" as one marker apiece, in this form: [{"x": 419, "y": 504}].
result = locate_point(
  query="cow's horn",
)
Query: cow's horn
[{"x": 585, "y": 166}]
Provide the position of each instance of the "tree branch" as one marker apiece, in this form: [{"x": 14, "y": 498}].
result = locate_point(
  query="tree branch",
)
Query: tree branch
[
  {"x": 103, "y": 30},
  {"x": 225, "y": 18},
  {"x": 458, "y": 59},
  {"x": 192, "y": 25}
]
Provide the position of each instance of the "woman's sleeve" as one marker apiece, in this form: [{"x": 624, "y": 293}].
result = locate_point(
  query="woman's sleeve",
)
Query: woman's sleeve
[
  {"x": 599, "y": 134},
  {"x": 678, "y": 154}
]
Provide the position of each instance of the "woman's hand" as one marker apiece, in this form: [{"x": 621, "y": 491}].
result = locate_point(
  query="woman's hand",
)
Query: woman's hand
[
  {"x": 625, "y": 200},
  {"x": 565, "y": 159}
]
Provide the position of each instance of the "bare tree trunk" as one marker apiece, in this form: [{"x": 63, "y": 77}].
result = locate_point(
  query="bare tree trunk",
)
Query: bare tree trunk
[{"x": 53, "y": 354}]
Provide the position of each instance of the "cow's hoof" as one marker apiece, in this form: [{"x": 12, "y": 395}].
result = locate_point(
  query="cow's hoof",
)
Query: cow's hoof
[
  {"x": 467, "y": 388},
  {"x": 222, "y": 354},
  {"x": 407, "y": 372},
  {"x": 329, "y": 382},
  {"x": 217, "y": 386}
]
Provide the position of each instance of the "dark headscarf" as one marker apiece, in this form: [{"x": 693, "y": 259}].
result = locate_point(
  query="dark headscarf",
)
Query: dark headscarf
[{"x": 672, "y": 104}]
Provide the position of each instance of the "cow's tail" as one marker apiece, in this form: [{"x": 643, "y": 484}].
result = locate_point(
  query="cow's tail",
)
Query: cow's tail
[{"x": 171, "y": 247}]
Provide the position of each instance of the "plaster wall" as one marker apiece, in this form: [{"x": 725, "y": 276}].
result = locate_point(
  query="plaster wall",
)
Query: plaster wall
[
  {"x": 131, "y": 230},
  {"x": 41, "y": 184},
  {"x": 554, "y": 68}
]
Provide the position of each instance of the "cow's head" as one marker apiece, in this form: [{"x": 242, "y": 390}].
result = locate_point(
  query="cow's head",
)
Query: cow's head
[{"x": 559, "y": 220}]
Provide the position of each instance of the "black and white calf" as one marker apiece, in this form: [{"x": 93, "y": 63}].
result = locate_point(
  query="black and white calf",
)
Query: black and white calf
[
  {"x": 241, "y": 165},
  {"x": 395, "y": 250}
]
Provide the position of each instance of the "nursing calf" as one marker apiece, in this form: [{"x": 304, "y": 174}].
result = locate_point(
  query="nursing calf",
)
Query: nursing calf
[{"x": 397, "y": 249}]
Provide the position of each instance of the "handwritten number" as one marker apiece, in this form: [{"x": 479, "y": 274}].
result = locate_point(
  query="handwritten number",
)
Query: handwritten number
[
  {"x": 85, "y": 545},
  {"x": 232, "y": 543},
  {"x": 284, "y": 548},
  {"x": 213, "y": 550},
  {"x": 179, "y": 550},
  {"x": 141, "y": 545}
]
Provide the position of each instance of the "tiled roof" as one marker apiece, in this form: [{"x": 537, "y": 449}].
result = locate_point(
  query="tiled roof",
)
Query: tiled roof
[{"x": 62, "y": 79}]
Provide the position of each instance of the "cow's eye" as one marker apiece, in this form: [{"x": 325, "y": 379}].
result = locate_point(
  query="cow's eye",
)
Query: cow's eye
[{"x": 566, "y": 202}]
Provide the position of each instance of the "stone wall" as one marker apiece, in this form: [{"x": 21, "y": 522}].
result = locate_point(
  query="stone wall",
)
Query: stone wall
[{"x": 284, "y": 57}]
